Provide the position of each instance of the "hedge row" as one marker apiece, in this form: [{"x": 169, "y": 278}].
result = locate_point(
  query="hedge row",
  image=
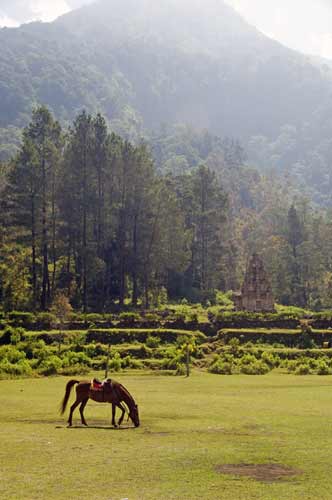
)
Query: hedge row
[
  {"x": 169, "y": 319},
  {"x": 289, "y": 338},
  {"x": 113, "y": 336}
]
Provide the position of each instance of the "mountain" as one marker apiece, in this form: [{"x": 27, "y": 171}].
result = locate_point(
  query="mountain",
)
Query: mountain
[{"x": 143, "y": 63}]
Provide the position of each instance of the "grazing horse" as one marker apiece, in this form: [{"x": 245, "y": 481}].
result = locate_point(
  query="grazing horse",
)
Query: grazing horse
[{"x": 107, "y": 392}]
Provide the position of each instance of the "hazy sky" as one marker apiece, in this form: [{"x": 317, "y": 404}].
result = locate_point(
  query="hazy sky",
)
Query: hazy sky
[{"x": 305, "y": 25}]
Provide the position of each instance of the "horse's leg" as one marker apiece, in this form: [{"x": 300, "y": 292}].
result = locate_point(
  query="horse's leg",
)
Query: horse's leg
[
  {"x": 72, "y": 408},
  {"x": 83, "y": 405},
  {"x": 113, "y": 415},
  {"x": 122, "y": 414}
]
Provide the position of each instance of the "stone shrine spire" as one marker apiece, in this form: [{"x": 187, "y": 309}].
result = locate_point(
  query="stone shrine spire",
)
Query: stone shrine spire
[{"x": 256, "y": 292}]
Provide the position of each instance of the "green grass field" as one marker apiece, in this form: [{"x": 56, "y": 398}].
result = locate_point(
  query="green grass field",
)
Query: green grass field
[{"x": 189, "y": 427}]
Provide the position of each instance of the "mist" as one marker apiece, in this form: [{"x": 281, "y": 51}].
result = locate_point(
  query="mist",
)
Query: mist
[{"x": 304, "y": 25}]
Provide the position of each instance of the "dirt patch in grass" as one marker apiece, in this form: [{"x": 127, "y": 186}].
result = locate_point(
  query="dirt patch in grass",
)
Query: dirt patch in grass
[{"x": 261, "y": 472}]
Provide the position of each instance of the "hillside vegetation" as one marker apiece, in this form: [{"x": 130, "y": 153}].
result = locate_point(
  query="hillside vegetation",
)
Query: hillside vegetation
[{"x": 145, "y": 63}]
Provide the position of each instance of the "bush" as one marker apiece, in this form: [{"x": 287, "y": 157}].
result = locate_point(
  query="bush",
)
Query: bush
[
  {"x": 151, "y": 317},
  {"x": 129, "y": 317},
  {"x": 224, "y": 300},
  {"x": 71, "y": 358},
  {"x": 270, "y": 359},
  {"x": 74, "y": 370},
  {"x": 94, "y": 318},
  {"x": 193, "y": 317},
  {"x": 254, "y": 368},
  {"x": 305, "y": 341},
  {"x": 152, "y": 341},
  {"x": 302, "y": 369},
  {"x": 129, "y": 362},
  {"x": 45, "y": 320},
  {"x": 19, "y": 318},
  {"x": 50, "y": 366},
  {"x": 322, "y": 368},
  {"x": 221, "y": 368},
  {"x": 16, "y": 335},
  {"x": 115, "y": 363},
  {"x": 21, "y": 368},
  {"x": 6, "y": 335},
  {"x": 180, "y": 369},
  {"x": 11, "y": 354},
  {"x": 234, "y": 344}
]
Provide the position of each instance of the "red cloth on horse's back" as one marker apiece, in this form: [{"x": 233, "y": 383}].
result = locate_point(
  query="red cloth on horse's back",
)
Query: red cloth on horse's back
[{"x": 96, "y": 385}]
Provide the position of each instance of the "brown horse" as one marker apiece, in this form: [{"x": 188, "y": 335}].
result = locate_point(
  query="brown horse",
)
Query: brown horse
[{"x": 108, "y": 392}]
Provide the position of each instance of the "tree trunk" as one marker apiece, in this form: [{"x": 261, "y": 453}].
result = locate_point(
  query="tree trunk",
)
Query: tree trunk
[{"x": 33, "y": 249}]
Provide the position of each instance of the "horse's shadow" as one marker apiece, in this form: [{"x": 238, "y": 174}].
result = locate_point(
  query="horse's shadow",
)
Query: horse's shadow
[{"x": 98, "y": 427}]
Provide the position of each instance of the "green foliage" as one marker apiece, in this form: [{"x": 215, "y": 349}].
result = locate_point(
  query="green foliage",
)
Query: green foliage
[
  {"x": 13, "y": 362},
  {"x": 224, "y": 300},
  {"x": 115, "y": 363},
  {"x": 129, "y": 317},
  {"x": 253, "y": 367},
  {"x": 302, "y": 369},
  {"x": 180, "y": 370},
  {"x": 152, "y": 341},
  {"x": 50, "y": 366},
  {"x": 24, "y": 319},
  {"x": 221, "y": 368},
  {"x": 323, "y": 368}
]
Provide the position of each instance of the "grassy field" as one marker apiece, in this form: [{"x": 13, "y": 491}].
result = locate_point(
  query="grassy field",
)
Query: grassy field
[{"x": 189, "y": 428}]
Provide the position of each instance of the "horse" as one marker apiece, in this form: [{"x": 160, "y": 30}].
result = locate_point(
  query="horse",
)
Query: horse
[{"x": 109, "y": 391}]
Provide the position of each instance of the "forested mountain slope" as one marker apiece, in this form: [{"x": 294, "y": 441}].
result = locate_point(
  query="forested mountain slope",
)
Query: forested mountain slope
[{"x": 144, "y": 63}]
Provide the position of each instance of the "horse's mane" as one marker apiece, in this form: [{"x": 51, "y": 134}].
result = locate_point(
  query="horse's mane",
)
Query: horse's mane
[{"x": 125, "y": 392}]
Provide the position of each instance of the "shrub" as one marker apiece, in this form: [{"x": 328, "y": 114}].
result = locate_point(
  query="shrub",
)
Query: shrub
[
  {"x": 75, "y": 358},
  {"x": 50, "y": 365},
  {"x": 234, "y": 344},
  {"x": 193, "y": 317},
  {"x": 94, "y": 318},
  {"x": 45, "y": 320},
  {"x": 302, "y": 369},
  {"x": 129, "y": 317},
  {"x": 16, "y": 335},
  {"x": 291, "y": 365},
  {"x": 74, "y": 370},
  {"x": 270, "y": 359},
  {"x": 224, "y": 300},
  {"x": 180, "y": 369},
  {"x": 115, "y": 363},
  {"x": 129, "y": 362},
  {"x": 21, "y": 368},
  {"x": 152, "y": 341},
  {"x": 11, "y": 354},
  {"x": 19, "y": 318},
  {"x": 6, "y": 335},
  {"x": 322, "y": 368},
  {"x": 254, "y": 368},
  {"x": 221, "y": 368},
  {"x": 305, "y": 341},
  {"x": 151, "y": 317}
]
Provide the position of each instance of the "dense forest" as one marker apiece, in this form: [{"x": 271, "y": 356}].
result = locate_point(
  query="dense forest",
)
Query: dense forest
[
  {"x": 143, "y": 64},
  {"x": 110, "y": 223}
]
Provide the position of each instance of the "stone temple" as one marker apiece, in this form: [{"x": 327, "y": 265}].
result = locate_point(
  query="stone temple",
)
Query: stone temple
[{"x": 256, "y": 292}]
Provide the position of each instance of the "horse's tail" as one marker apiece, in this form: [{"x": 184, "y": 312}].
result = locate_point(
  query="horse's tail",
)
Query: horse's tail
[{"x": 69, "y": 387}]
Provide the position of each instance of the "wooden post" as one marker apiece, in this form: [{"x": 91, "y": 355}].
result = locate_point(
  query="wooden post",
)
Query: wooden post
[
  {"x": 187, "y": 359},
  {"x": 107, "y": 361}
]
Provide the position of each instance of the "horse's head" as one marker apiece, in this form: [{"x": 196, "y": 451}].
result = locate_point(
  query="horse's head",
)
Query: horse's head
[{"x": 133, "y": 415}]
